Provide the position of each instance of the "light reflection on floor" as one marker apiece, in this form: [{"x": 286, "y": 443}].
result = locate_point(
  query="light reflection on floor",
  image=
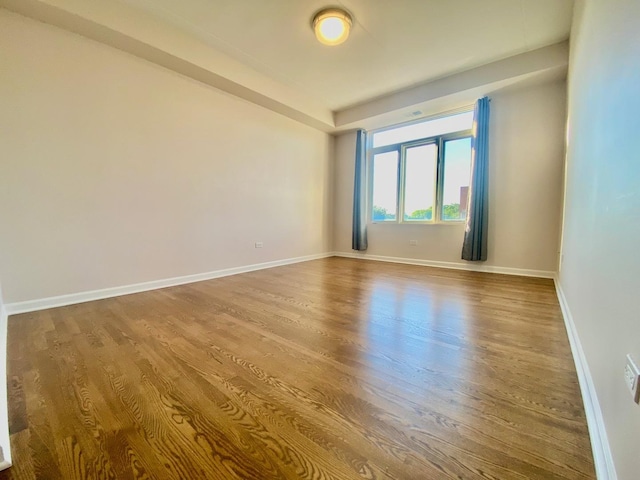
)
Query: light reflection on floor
[{"x": 411, "y": 332}]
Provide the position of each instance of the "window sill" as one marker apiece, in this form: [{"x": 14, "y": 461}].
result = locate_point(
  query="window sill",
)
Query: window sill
[{"x": 425, "y": 224}]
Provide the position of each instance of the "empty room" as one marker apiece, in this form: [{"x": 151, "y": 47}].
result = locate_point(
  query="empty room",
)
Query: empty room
[{"x": 296, "y": 239}]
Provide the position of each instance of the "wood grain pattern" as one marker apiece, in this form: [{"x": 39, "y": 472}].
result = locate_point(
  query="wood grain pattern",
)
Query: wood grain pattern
[{"x": 330, "y": 369}]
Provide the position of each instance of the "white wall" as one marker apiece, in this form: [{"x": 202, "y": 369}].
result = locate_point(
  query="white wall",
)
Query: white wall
[
  {"x": 526, "y": 162},
  {"x": 601, "y": 235},
  {"x": 115, "y": 171}
]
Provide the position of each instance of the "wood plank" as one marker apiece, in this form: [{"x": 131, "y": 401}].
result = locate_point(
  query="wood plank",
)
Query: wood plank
[{"x": 335, "y": 368}]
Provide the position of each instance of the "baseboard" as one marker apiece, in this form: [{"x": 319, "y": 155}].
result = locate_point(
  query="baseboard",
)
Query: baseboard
[
  {"x": 605, "y": 468},
  {"x": 63, "y": 300},
  {"x": 5, "y": 461},
  {"x": 450, "y": 265}
]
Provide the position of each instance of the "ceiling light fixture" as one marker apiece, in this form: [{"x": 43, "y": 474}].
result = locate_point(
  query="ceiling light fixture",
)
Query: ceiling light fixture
[{"x": 332, "y": 26}]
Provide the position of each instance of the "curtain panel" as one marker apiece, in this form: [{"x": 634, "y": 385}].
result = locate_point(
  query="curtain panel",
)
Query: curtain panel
[
  {"x": 359, "y": 235},
  {"x": 474, "y": 247}
]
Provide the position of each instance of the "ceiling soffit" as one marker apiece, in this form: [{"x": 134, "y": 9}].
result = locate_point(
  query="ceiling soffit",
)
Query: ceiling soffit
[{"x": 130, "y": 30}]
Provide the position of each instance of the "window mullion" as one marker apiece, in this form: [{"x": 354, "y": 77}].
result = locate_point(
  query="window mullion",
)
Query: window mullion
[
  {"x": 369, "y": 190},
  {"x": 401, "y": 183},
  {"x": 439, "y": 182}
]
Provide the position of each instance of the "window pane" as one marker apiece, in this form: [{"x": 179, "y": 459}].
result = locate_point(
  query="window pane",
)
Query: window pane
[
  {"x": 385, "y": 186},
  {"x": 457, "y": 173},
  {"x": 420, "y": 181},
  {"x": 430, "y": 128}
]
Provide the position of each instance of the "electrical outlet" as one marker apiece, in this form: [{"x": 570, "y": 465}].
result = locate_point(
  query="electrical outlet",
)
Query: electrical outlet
[
  {"x": 259, "y": 244},
  {"x": 632, "y": 378},
  {"x": 413, "y": 243}
]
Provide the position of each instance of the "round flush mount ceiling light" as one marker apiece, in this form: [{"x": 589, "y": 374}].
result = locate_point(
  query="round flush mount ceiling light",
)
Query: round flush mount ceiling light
[{"x": 332, "y": 26}]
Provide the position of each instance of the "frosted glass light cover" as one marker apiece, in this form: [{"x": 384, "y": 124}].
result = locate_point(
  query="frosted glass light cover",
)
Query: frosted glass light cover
[{"x": 332, "y": 26}]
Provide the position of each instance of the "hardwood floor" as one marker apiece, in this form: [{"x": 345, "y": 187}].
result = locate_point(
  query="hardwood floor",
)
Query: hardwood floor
[{"x": 334, "y": 368}]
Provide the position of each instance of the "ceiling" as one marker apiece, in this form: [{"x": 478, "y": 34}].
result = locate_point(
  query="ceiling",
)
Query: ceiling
[
  {"x": 404, "y": 58},
  {"x": 394, "y": 43}
]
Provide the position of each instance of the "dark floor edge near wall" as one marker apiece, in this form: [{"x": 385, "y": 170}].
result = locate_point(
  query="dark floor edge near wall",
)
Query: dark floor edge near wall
[{"x": 5, "y": 449}]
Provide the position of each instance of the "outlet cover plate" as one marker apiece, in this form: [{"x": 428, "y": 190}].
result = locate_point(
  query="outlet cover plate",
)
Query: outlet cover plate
[{"x": 632, "y": 378}]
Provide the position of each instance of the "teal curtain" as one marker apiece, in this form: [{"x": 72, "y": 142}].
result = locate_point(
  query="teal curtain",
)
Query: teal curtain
[
  {"x": 359, "y": 235},
  {"x": 474, "y": 247}
]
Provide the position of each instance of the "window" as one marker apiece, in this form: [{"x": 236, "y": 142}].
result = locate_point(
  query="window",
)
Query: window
[{"x": 420, "y": 172}]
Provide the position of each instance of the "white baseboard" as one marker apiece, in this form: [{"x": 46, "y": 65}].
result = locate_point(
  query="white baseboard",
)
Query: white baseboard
[
  {"x": 605, "y": 468},
  {"x": 451, "y": 265},
  {"x": 63, "y": 300},
  {"x": 5, "y": 461}
]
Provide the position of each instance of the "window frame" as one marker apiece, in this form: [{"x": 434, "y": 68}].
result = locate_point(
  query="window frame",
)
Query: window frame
[{"x": 400, "y": 148}]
